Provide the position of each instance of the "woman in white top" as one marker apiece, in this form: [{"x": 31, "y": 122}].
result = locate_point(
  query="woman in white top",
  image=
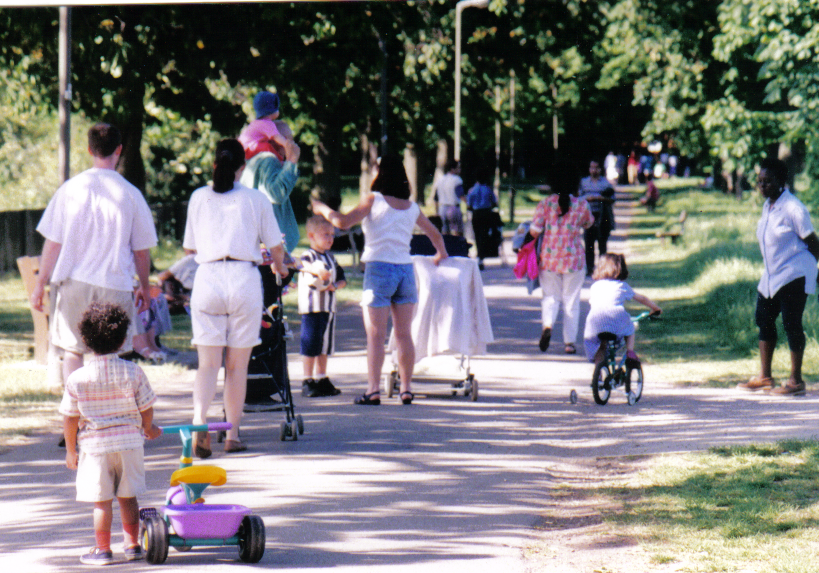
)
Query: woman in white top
[
  {"x": 388, "y": 218},
  {"x": 226, "y": 224},
  {"x": 790, "y": 250}
]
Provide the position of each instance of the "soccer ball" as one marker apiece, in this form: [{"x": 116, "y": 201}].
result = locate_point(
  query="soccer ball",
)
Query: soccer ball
[{"x": 312, "y": 271}]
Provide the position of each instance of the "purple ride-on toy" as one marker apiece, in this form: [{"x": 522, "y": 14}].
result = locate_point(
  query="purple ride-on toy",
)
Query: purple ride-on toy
[{"x": 192, "y": 522}]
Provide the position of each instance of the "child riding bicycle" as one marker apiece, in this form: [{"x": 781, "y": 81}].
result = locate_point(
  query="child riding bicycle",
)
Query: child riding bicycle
[{"x": 606, "y": 297}]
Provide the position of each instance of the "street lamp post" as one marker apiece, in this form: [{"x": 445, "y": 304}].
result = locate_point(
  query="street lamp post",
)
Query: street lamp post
[
  {"x": 462, "y": 4},
  {"x": 64, "y": 67}
]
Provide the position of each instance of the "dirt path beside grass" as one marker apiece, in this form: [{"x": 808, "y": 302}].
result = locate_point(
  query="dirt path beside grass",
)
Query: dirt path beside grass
[{"x": 447, "y": 484}]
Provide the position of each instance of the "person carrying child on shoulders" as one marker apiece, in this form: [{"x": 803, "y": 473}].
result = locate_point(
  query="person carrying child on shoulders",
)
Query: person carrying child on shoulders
[
  {"x": 263, "y": 133},
  {"x": 107, "y": 410},
  {"x": 607, "y": 295},
  {"x": 319, "y": 278}
]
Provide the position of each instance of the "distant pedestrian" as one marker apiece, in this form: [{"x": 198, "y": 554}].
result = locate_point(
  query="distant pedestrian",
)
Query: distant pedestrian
[
  {"x": 449, "y": 192},
  {"x": 598, "y": 191},
  {"x": 481, "y": 201},
  {"x": 633, "y": 168},
  {"x": 610, "y": 166},
  {"x": 107, "y": 410},
  {"x": 790, "y": 249}
]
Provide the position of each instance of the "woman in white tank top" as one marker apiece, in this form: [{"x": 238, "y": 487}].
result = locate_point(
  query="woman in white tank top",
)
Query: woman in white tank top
[{"x": 388, "y": 218}]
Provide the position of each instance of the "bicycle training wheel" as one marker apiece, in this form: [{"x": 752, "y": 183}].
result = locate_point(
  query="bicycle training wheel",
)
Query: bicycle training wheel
[
  {"x": 634, "y": 384},
  {"x": 601, "y": 383}
]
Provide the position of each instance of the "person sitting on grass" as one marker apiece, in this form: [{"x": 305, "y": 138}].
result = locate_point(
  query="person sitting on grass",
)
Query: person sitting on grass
[
  {"x": 320, "y": 277},
  {"x": 652, "y": 194},
  {"x": 107, "y": 411},
  {"x": 607, "y": 295}
]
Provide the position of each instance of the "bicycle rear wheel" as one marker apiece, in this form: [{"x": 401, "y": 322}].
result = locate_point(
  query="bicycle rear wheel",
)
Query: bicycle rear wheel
[
  {"x": 634, "y": 382},
  {"x": 601, "y": 383}
]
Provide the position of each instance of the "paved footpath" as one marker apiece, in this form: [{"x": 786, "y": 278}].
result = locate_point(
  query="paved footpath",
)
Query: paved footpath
[{"x": 446, "y": 484}]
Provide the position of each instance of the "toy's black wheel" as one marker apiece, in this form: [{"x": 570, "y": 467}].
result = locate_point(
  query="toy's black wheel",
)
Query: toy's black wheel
[
  {"x": 251, "y": 539},
  {"x": 634, "y": 384},
  {"x": 300, "y": 423},
  {"x": 474, "y": 388},
  {"x": 601, "y": 383},
  {"x": 294, "y": 431},
  {"x": 155, "y": 539},
  {"x": 573, "y": 396},
  {"x": 283, "y": 431}
]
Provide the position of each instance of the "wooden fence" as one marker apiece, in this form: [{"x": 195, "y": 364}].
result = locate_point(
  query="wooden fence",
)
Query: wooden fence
[{"x": 20, "y": 238}]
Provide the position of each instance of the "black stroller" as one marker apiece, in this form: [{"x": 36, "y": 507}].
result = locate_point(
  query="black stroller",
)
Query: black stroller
[{"x": 268, "y": 381}]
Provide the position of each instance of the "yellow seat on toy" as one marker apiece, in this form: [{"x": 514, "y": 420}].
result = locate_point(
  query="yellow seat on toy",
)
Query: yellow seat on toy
[{"x": 211, "y": 475}]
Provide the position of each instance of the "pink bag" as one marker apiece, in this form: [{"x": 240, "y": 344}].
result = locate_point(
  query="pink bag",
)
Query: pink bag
[{"x": 527, "y": 261}]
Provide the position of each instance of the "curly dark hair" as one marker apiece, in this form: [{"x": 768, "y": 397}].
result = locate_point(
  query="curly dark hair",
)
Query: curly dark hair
[{"x": 104, "y": 327}]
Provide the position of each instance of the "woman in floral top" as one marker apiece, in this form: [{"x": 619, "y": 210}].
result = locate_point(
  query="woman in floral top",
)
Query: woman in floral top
[{"x": 561, "y": 218}]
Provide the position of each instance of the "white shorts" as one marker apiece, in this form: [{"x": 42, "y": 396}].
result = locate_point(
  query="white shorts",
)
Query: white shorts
[
  {"x": 101, "y": 477},
  {"x": 69, "y": 301},
  {"x": 226, "y": 305}
]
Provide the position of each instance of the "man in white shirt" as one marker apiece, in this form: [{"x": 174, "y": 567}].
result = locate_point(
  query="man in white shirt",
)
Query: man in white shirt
[
  {"x": 600, "y": 194},
  {"x": 98, "y": 232},
  {"x": 449, "y": 192}
]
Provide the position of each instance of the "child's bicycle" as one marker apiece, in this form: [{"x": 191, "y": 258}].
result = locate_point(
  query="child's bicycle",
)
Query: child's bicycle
[
  {"x": 186, "y": 521},
  {"x": 612, "y": 373}
]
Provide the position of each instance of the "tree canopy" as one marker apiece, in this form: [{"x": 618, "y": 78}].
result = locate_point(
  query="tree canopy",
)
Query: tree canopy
[{"x": 726, "y": 81}]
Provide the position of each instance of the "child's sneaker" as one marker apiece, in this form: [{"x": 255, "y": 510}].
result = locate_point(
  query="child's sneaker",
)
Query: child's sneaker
[
  {"x": 97, "y": 557},
  {"x": 631, "y": 359},
  {"x": 309, "y": 388},
  {"x": 325, "y": 388},
  {"x": 133, "y": 553}
]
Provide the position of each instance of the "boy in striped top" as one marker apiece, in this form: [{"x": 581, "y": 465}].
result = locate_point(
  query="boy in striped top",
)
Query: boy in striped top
[
  {"x": 320, "y": 276},
  {"x": 107, "y": 408}
]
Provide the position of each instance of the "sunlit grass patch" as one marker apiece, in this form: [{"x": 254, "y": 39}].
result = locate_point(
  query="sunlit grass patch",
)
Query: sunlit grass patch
[{"x": 745, "y": 508}]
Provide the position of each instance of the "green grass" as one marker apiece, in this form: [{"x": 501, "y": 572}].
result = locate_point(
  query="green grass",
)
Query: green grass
[{"x": 743, "y": 508}]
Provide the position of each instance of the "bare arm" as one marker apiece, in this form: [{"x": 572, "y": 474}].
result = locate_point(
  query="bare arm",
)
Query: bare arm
[
  {"x": 345, "y": 220},
  {"x": 151, "y": 430},
  {"x": 644, "y": 300},
  {"x": 277, "y": 254},
  {"x": 142, "y": 260},
  {"x": 71, "y": 424},
  {"x": 48, "y": 260},
  {"x": 435, "y": 236}
]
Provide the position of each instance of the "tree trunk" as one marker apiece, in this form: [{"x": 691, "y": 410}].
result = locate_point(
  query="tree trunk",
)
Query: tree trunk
[
  {"x": 369, "y": 163},
  {"x": 327, "y": 162},
  {"x": 131, "y": 166}
]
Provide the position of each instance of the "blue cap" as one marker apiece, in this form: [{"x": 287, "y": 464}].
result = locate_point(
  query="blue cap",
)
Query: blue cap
[{"x": 265, "y": 103}]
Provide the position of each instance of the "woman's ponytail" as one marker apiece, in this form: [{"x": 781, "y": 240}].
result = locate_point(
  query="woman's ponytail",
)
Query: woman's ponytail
[{"x": 230, "y": 156}]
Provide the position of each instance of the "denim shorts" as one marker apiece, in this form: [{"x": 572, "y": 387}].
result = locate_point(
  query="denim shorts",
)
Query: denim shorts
[{"x": 386, "y": 284}]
